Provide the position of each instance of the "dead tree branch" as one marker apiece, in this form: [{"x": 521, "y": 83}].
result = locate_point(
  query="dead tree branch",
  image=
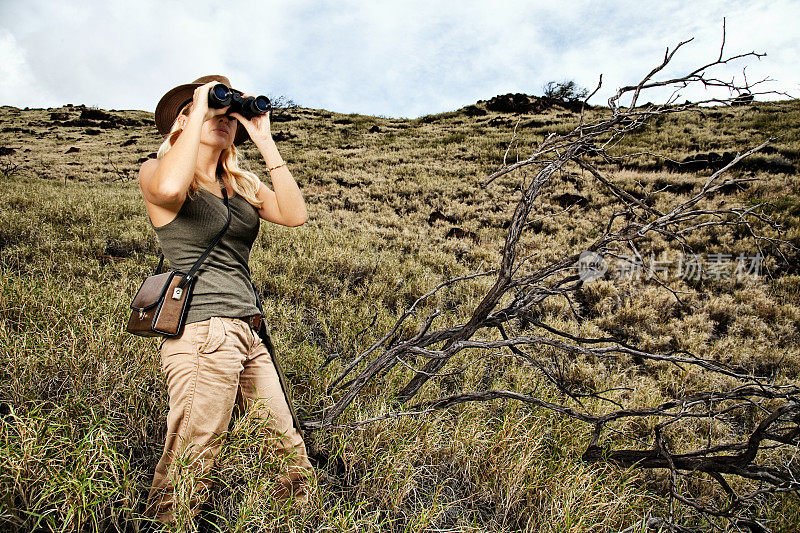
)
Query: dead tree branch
[{"x": 748, "y": 460}]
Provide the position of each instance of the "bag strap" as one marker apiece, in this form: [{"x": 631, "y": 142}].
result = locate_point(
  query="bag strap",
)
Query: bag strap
[
  {"x": 210, "y": 247},
  {"x": 258, "y": 298},
  {"x": 160, "y": 264}
]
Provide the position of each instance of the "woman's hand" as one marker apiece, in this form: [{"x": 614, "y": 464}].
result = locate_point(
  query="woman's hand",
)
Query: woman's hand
[
  {"x": 200, "y": 102},
  {"x": 258, "y": 127}
]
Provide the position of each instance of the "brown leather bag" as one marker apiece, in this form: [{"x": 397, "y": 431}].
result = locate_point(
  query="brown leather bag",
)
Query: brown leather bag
[{"x": 160, "y": 305}]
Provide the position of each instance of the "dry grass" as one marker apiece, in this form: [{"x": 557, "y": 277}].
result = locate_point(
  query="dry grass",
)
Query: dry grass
[{"x": 84, "y": 403}]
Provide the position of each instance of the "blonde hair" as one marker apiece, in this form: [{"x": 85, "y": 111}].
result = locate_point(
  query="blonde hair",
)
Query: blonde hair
[{"x": 244, "y": 182}]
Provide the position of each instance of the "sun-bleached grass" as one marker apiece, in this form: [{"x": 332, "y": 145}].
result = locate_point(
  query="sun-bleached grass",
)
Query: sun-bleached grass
[{"x": 86, "y": 402}]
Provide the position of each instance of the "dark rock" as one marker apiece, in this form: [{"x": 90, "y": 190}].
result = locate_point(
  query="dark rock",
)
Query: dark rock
[
  {"x": 95, "y": 114},
  {"x": 789, "y": 266},
  {"x": 568, "y": 199},
  {"x": 536, "y": 123},
  {"x": 116, "y": 122},
  {"x": 774, "y": 164},
  {"x": 438, "y": 215},
  {"x": 677, "y": 188},
  {"x": 283, "y": 136},
  {"x": 524, "y": 103},
  {"x": 460, "y": 233},
  {"x": 375, "y": 129},
  {"x": 350, "y": 205},
  {"x": 711, "y": 160},
  {"x": 694, "y": 162},
  {"x": 535, "y": 226},
  {"x": 59, "y": 115},
  {"x": 4, "y": 150},
  {"x": 642, "y": 196},
  {"x": 279, "y": 117},
  {"x": 589, "y": 147},
  {"x": 72, "y": 150},
  {"x": 497, "y": 121},
  {"x": 128, "y": 142},
  {"x": 100, "y": 119},
  {"x": 117, "y": 249},
  {"x": 79, "y": 123},
  {"x": 474, "y": 111},
  {"x": 731, "y": 188},
  {"x": 512, "y": 103},
  {"x": 92, "y": 131},
  {"x": 343, "y": 181},
  {"x": 743, "y": 99}
]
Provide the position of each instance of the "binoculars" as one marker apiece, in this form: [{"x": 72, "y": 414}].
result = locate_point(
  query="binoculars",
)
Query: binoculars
[{"x": 220, "y": 95}]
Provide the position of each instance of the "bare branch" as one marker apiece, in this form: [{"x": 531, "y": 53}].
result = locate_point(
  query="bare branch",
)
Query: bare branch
[{"x": 752, "y": 417}]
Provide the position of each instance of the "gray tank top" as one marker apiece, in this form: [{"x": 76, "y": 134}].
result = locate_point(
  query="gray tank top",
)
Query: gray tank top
[{"x": 222, "y": 286}]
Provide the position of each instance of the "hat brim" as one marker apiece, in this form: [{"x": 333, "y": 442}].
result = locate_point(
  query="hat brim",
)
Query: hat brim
[{"x": 173, "y": 101}]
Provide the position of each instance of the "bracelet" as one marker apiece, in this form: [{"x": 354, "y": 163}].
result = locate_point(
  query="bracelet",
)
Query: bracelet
[{"x": 273, "y": 168}]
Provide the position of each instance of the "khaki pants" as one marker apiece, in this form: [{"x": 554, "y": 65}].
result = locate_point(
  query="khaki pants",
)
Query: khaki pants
[{"x": 215, "y": 365}]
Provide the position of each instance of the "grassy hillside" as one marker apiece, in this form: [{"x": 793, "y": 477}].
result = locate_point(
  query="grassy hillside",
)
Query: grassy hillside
[{"x": 84, "y": 403}]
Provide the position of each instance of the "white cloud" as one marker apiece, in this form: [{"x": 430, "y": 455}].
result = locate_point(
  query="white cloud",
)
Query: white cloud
[
  {"x": 392, "y": 58},
  {"x": 18, "y": 84}
]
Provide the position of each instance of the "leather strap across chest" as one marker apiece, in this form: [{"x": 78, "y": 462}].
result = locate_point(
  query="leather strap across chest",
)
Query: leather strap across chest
[{"x": 214, "y": 242}]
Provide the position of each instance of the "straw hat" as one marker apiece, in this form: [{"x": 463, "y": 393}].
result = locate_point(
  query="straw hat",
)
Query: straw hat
[{"x": 171, "y": 103}]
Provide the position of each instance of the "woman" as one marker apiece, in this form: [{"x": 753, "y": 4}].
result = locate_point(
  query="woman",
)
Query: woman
[{"x": 219, "y": 361}]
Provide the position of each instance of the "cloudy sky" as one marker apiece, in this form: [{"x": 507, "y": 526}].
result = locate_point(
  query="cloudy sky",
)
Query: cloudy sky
[{"x": 403, "y": 58}]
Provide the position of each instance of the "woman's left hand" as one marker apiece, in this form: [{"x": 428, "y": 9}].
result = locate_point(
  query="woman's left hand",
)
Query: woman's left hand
[{"x": 258, "y": 127}]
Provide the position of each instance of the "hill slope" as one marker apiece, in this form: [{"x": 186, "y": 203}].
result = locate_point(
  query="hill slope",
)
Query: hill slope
[{"x": 395, "y": 207}]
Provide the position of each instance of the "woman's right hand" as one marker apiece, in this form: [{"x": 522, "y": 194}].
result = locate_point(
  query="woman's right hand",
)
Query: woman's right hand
[{"x": 200, "y": 102}]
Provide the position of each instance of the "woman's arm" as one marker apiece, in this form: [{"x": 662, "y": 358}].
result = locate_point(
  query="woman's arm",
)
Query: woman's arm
[
  {"x": 165, "y": 182},
  {"x": 284, "y": 205}
]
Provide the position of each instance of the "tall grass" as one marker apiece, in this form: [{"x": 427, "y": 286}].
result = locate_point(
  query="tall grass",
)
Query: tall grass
[{"x": 84, "y": 403}]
